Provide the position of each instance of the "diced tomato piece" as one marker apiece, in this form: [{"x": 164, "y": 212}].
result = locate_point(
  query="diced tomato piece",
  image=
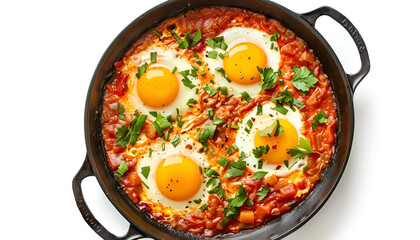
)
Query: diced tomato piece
[
  {"x": 288, "y": 191},
  {"x": 261, "y": 211}
]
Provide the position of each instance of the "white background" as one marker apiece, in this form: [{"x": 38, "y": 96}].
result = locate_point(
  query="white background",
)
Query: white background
[{"x": 50, "y": 49}]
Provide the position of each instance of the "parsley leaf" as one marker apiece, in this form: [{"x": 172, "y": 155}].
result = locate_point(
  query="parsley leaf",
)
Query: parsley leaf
[
  {"x": 204, "y": 206},
  {"x": 261, "y": 150},
  {"x": 246, "y": 96},
  {"x": 153, "y": 57},
  {"x": 187, "y": 82},
  {"x": 157, "y": 33},
  {"x": 176, "y": 140},
  {"x": 212, "y": 54},
  {"x": 233, "y": 172},
  {"x": 177, "y": 39},
  {"x": 259, "y": 174},
  {"x": 217, "y": 42},
  {"x": 286, "y": 97},
  {"x": 122, "y": 168},
  {"x": 303, "y": 79},
  {"x": 224, "y": 222},
  {"x": 160, "y": 124},
  {"x": 210, "y": 172},
  {"x": 210, "y": 91},
  {"x": 141, "y": 70},
  {"x": 130, "y": 135},
  {"x": 145, "y": 171},
  {"x": 198, "y": 201},
  {"x": 223, "y": 161},
  {"x": 262, "y": 193},
  {"x": 239, "y": 164},
  {"x": 268, "y": 78},
  {"x": 218, "y": 121},
  {"x": 259, "y": 109},
  {"x": 196, "y": 38},
  {"x": 299, "y": 151},
  {"x": 240, "y": 197},
  {"x": 223, "y": 73},
  {"x": 190, "y": 102},
  {"x": 275, "y": 36},
  {"x": 121, "y": 112},
  {"x": 206, "y": 133},
  {"x": 276, "y": 127},
  {"x": 319, "y": 118},
  {"x": 217, "y": 189}
]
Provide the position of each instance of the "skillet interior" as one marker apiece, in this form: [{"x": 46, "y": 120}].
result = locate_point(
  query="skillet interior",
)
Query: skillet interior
[{"x": 275, "y": 229}]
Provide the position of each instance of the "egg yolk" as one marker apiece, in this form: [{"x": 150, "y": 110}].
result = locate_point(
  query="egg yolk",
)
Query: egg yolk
[
  {"x": 178, "y": 178},
  {"x": 241, "y": 64},
  {"x": 157, "y": 87},
  {"x": 278, "y": 145}
]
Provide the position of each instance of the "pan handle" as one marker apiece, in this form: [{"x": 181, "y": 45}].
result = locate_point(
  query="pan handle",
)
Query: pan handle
[
  {"x": 356, "y": 78},
  {"x": 86, "y": 171}
]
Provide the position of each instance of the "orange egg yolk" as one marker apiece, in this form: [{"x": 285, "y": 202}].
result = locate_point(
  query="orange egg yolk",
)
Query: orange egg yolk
[
  {"x": 278, "y": 145},
  {"x": 157, "y": 87},
  {"x": 241, "y": 64},
  {"x": 178, "y": 178}
]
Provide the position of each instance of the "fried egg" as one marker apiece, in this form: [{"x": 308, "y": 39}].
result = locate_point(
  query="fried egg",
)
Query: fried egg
[
  {"x": 276, "y": 161},
  {"x": 175, "y": 177},
  {"x": 247, "y": 49},
  {"x": 159, "y": 88}
]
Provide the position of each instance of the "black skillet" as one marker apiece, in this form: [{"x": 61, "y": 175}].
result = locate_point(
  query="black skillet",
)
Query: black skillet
[{"x": 343, "y": 85}]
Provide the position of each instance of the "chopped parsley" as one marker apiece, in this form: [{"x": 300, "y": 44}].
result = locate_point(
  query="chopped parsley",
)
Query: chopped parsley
[
  {"x": 218, "y": 121},
  {"x": 222, "y": 71},
  {"x": 212, "y": 54},
  {"x": 157, "y": 33},
  {"x": 150, "y": 152},
  {"x": 145, "y": 171},
  {"x": 246, "y": 96},
  {"x": 210, "y": 91},
  {"x": 275, "y": 36},
  {"x": 303, "y": 79},
  {"x": 259, "y": 174},
  {"x": 186, "y": 42},
  {"x": 223, "y": 161},
  {"x": 259, "y": 109},
  {"x": 276, "y": 127},
  {"x": 233, "y": 172},
  {"x": 153, "y": 57},
  {"x": 217, "y": 42},
  {"x": 176, "y": 140},
  {"x": 223, "y": 90},
  {"x": 141, "y": 70},
  {"x": 261, "y": 150},
  {"x": 187, "y": 82},
  {"x": 210, "y": 172},
  {"x": 262, "y": 193},
  {"x": 319, "y": 118},
  {"x": 210, "y": 113},
  {"x": 160, "y": 124},
  {"x": 299, "y": 151},
  {"x": 190, "y": 102},
  {"x": 129, "y": 135},
  {"x": 204, "y": 206},
  {"x": 269, "y": 78},
  {"x": 286, "y": 97},
  {"x": 122, "y": 168},
  {"x": 121, "y": 112},
  {"x": 198, "y": 201}
]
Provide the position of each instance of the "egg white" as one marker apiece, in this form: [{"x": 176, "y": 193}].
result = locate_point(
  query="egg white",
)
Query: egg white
[
  {"x": 245, "y": 141},
  {"x": 166, "y": 58},
  {"x": 158, "y": 155},
  {"x": 232, "y": 37}
]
